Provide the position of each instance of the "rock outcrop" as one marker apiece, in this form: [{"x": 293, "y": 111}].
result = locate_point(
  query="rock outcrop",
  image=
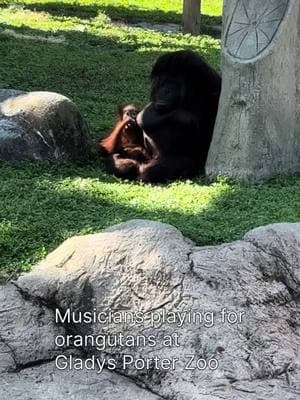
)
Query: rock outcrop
[
  {"x": 177, "y": 321},
  {"x": 41, "y": 126}
]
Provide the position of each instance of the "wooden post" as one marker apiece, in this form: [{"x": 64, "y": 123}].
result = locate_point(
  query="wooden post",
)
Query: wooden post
[{"x": 191, "y": 16}]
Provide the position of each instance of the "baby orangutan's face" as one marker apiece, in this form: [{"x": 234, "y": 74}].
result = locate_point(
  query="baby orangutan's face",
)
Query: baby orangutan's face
[{"x": 130, "y": 112}]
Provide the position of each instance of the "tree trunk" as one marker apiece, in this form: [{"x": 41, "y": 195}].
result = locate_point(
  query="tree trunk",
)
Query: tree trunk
[
  {"x": 257, "y": 132},
  {"x": 191, "y": 16}
]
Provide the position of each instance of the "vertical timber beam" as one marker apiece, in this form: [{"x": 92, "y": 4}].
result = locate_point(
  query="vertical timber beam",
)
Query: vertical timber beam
[
  {"x": 257, "y": 131},
  {"x": 191, "y": 16}
]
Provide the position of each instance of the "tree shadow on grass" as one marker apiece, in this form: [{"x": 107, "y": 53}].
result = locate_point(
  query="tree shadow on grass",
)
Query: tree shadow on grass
[
  {"x": 38, "y": 213},
  {"x": 97, "y": 72},
  {"x": 119, "y": 13},
  {"x": 52, "y": 204},
  {"x": 88, "y": 40},
  {"x": 90, "y": 69},
  {"x": 131, "y": 14},
  {"x": 42, "y": 205}
]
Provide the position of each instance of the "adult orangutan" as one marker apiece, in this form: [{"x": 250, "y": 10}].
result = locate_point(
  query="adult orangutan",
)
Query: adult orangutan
[{"x": 172, "y": 134}]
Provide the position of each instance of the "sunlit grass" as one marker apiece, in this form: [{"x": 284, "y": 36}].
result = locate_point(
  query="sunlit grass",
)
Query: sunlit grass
[
  {"x": 101, "y": 64},
  {"x": 43, "y": 204},
  {"x": 209, "y": 7}
]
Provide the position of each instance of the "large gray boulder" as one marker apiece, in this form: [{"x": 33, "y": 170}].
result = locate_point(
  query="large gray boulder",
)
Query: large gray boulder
[
  {"x": 41, "y": 126},
  {"x": 257, "y": 131},
  {"x": 46, "y": 382},
  {"x": 161, "y": 302}
]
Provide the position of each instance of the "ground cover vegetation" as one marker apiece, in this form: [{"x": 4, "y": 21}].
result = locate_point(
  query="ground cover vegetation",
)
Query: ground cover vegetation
[{"x": 84, "y": 50}]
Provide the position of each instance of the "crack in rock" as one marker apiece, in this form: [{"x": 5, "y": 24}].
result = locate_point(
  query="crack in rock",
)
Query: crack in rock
[{"x": 128, "y": 269}]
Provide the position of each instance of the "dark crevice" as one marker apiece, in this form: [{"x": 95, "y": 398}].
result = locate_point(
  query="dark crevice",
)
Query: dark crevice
[
  {"x": 277, "y": 273},
  {"x": 70, "y": 330},
  {"x": 31, "y": 364},
  {"x": 12, "y": 351}
]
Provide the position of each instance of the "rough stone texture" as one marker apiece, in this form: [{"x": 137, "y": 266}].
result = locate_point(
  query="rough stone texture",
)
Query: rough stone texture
[
  {"x": 26, "y": 330},
  {"x": 41, "y": 126},
  {"x": 257, "y": 132},
  {"x": 150, "y": 267},
  {"x": 45, "y": 382}
]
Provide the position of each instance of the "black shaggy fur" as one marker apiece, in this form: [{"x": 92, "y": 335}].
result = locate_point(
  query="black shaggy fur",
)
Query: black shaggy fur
[{"x": 178, "y": 122}]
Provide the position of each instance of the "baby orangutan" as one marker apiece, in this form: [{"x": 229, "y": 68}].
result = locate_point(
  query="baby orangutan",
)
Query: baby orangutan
[{"x": 123, "y": 147}]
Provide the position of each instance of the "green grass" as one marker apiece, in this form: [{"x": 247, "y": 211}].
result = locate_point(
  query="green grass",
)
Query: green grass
[
  {"x": 129, "y": 10},
  {"x": 99, "y": 65},
  {"x": 41, "y": 205}
]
